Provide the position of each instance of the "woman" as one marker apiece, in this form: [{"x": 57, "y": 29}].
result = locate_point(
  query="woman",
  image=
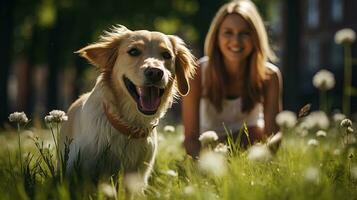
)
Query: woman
[{"x": 234, "y": 83}]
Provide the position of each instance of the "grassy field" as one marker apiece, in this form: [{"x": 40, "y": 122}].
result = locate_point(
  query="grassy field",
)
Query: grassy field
[{"x": 306, "y": 166}]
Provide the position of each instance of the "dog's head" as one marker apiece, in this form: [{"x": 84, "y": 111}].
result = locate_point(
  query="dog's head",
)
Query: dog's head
[{"x": 148, "y": 67}]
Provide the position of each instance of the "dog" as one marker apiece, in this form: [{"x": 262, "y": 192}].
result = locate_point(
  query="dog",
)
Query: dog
[{"x": 141, "y": 73}]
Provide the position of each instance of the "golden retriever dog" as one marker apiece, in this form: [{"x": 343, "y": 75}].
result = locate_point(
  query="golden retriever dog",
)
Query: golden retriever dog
[{"x": 114, "y": 126}]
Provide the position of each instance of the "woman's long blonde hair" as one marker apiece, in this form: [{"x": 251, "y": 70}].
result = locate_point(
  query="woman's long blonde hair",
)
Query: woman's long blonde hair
[{"x": 254, "y": 73}]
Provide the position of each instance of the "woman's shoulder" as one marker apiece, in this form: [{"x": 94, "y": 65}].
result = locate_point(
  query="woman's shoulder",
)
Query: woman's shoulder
[
  {"x": 273, "y": 74},
  {"x": 203, "y": 61}
]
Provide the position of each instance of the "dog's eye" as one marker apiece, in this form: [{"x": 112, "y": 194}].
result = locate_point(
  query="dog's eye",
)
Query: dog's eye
[
  {"x": 166, "y": 55},
  {"x": 134, "y": 52}
]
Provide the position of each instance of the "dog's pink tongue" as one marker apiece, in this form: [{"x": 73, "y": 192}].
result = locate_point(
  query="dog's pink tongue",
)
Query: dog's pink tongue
[{"x": 149, "y": 98}]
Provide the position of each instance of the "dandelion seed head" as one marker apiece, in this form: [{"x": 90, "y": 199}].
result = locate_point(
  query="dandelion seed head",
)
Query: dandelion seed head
[
  {"x": 286, "y": 118},
  {"x": 317, "y": 119},
  {"x": 171, "y": 172},
  {"x": 324, "y": 80},
  {"x": 345, "y": 36},
  {"x": 313, "y": 142},
  {"x": 189, "y": 190},
  {"x": 321, "y": 133},
  {"x": 312, "y": 174},
  {"x": 169, "y": 129},
  {"x": 221, "y": 148},
  {"x": 18, "y": 117},
  {"x": 208, "y": 137},
  {"x": 338, "y": 117},
  {"x": 134, "y": 183},
  {"x": 108, "y": 190},
  {"x": 346, "y": 123},
  {"x": 56, "y": 116},
  {"x": 349, "y": 130},
  {"x": 212, "y": 163},
  {"x": 259, "y": 153}
]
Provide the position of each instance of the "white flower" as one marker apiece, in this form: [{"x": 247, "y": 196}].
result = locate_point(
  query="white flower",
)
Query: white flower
[
  {"x": 313, "y": 142},
  {"x": 212, "y": 163},
  {"x": 171, "y": 172},
  {"x": 56, "y": 116},
  {"x": 349, "y": 130},
  {"x": 134, "y": 183},
  {"x": 312, "y": 174},
  {"x": 286, "y": 118},
  {"x": 169, "y": 129},
  {"x": 338, "y": 117},
  {"x": 108, "y": 190},
  {"x": 317, "y": 119},
  {"x": 321, "y": 133},
  {"x": 324, "y": 80},
  {"x": 346, "y": 123},
  {"x": 189, "y": 190},
  {"x": 221, "y": 148},
  {"x": 260, "y": 153},
  {"x": 345, "y": 36},
  {"x": 18, "y": 117},
  {"x": 208, "y": 137}
]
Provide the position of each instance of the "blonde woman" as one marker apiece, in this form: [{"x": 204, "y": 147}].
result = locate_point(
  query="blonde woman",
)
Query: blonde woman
[{"x": 235, "y": 83}]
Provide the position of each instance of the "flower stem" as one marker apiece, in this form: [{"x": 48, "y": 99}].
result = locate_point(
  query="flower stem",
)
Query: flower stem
[
  {"x": 347, "y": 80},
  {"x": 19, "y": 141}
]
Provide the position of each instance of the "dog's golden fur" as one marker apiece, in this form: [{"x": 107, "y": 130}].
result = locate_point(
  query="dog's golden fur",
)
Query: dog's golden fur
[{"x": 116, "y": 56}]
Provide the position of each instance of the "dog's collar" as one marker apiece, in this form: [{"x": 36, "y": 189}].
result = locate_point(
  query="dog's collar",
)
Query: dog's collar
[{"x": 126, "y": 129}]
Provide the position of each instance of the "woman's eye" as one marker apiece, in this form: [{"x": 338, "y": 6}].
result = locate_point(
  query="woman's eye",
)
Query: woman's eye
[
  {"x": 166, "y": 55},
  {"x": 134, "y": 52},
  {"x": 227, "y": 33}
]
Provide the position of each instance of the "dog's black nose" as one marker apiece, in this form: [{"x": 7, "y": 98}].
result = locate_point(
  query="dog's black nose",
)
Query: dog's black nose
[{"x": 153, "y": 74}]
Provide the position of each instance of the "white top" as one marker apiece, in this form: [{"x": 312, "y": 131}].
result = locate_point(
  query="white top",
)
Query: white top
[{"x": 231, "y": 116}]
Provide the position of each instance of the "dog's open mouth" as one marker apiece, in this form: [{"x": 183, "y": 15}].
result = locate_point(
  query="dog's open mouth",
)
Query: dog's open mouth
[{"x": 147, "y": 98}]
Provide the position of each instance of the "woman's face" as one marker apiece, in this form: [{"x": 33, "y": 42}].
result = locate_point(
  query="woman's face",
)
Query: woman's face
[{"x": 235, "y": 39}]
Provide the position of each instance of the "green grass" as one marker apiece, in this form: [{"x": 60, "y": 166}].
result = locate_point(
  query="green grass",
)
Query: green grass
[{"x": 286, "y": 176}]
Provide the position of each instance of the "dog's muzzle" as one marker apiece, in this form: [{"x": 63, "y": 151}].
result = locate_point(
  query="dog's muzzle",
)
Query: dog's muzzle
[{"x": 147, "y": 97}]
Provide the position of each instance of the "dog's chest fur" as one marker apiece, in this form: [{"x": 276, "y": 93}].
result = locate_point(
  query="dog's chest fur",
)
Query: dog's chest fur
[{"x": 102, "y": 147}]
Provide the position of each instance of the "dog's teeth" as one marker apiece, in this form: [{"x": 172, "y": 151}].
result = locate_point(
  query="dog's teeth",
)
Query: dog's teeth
[{"x": 139, "y": 90}]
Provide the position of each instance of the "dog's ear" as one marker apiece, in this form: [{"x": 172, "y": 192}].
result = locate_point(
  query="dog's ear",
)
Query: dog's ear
[
  {"x": 103, "y": 53},
  {"x": 185, "y": 64}
]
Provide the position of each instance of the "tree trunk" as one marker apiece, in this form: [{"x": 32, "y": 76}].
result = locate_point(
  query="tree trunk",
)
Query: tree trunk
[{"x": 6, "y": 50}]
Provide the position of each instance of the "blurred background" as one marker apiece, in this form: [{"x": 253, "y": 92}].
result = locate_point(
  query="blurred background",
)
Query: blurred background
[{"x": 40, "y": 71}]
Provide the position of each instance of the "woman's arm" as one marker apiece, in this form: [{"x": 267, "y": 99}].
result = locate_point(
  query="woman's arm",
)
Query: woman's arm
[
  {"x": 190, "y": 115},
  {"x": 272, "y": 99}
]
